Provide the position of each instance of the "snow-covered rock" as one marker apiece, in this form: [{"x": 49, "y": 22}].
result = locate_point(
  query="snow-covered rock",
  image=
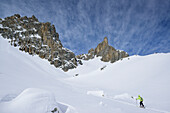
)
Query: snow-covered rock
[
  {"x": 96, "y": 93},
  {"x": 31, "y": 101},
  {"x": 37, "y": 38}
]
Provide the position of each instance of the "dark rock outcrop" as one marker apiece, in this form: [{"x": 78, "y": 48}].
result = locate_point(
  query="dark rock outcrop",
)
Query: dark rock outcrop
[
  {"x": 108, "y": 53},
  {"x": 37, "y": 38}
]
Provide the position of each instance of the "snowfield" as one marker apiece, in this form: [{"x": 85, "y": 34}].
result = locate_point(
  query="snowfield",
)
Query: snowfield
[
  {"x": 36, "y": 101},
  {"x": 29, "y": 84}
]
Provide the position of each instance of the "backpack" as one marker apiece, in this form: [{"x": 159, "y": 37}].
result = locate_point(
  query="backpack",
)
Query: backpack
[{"x": 141, "y": 98}]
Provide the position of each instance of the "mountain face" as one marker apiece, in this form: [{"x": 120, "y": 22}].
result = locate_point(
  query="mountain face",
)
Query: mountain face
[
  {"x": 108, "y": 53},
  {"x": 37, "y": 38}
]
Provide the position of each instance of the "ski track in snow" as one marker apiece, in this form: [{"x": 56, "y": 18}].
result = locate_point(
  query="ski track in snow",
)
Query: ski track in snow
[{"x": 123, "y": 102}]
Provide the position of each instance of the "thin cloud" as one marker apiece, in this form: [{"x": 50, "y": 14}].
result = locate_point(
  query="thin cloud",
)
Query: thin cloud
[{"x": 138, "y": 27}]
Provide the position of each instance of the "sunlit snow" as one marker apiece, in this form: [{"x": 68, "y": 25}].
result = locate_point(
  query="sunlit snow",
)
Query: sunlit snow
[{"x": 29, "y": 84}]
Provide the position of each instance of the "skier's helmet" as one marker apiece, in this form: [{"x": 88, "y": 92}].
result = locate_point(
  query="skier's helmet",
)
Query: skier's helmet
[{"x": 138, "y": 95}]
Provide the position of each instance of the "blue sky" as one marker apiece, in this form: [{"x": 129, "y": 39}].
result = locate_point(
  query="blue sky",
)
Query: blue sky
[{"x": 135, "y": 26}]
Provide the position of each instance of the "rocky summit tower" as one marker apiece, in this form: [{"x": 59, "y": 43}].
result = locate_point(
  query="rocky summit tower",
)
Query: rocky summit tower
[{"x": 105, "y": 51}]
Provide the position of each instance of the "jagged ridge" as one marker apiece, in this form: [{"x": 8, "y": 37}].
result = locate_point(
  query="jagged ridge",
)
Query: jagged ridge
[
  {"x": 41, "y": 39},
  {"x": 37, "y": 38}
]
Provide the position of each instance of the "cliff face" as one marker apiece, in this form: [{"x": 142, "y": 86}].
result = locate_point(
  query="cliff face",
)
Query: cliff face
[
  {"x": 37, "y": 38},
  {"x": 108, "y": 53}
]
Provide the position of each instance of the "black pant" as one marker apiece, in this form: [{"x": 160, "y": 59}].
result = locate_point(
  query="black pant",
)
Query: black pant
[{"x": 141, "y": 104}]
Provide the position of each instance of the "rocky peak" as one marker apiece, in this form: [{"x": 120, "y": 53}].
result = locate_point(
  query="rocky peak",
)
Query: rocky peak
[
  {"x": 105, "y": 41},
  {"x": 34, "y": 18},
  {"x": 108, "y": 53},
  {"x": 37, "y": 38},
  {"x": 102, "y": 47}
]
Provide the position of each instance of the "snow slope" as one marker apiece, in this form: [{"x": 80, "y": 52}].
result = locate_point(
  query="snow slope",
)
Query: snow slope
[
  {"x": 145, "y": 75},
  {"x": 29, "y": 84}
]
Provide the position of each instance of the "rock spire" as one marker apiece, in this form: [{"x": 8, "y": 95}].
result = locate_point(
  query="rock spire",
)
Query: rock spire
[{"x": 107, "y": 52}]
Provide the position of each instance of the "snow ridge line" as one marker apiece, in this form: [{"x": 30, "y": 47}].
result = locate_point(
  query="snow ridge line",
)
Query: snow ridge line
[{"x": 123, "y": 102}]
